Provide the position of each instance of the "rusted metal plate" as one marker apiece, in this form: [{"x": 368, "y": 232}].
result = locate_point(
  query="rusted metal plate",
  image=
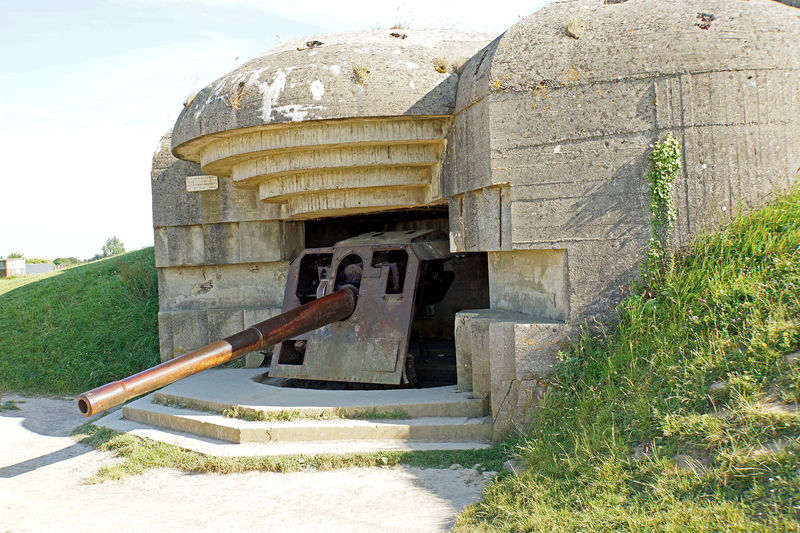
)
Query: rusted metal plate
[{"x": 372, "y": 344}]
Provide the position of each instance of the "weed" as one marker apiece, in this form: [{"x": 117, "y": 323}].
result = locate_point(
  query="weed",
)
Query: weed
[
  {"x": 574, "y": 27},
  {"x": 235, "y": 98},
  {"x": 9, "y": 405},
  {"x": 441, "y": 65},
  {"x": 360, "y": 73},
  {"x": 375, "y": 414},
  {"x": 258, "y": 415},
  {"x": 187, "y": 102}
]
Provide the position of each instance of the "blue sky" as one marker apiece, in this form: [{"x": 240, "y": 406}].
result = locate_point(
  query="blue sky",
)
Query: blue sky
[{"x": 87, "y": 88}]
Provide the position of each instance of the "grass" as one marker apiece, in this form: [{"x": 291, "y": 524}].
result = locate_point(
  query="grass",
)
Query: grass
[
  {"x": 9, "y": 284},
  {"x": 633, "y": 437},
  {"x": 68, "y": 331},
  {"x": 140, "y": 454},
  {"x": 9, "y": 405}
]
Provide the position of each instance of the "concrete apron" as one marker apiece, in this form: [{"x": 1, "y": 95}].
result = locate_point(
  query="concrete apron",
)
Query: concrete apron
[{"x": 302, "y": 421}]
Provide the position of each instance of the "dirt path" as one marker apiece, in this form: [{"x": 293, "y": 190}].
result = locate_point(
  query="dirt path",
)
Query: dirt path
[{"x": 42, "y": 470}]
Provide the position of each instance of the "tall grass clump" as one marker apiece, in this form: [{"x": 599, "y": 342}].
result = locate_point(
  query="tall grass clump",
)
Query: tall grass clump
[
  {"x": 80, "y": 327},
  {"x": 685, "y": 416}
]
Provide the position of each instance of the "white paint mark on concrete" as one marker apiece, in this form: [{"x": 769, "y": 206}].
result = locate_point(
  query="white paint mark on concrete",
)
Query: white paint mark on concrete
[
  {"x": 411, "y": 84},
  {"x": 317, "y": 89},
  {"x": 336, "y": 70},
  {"x": 409, "y": 64},
  {"x": 253, "y": 79},
  {"x": 270, "y": 93},
  {"x": 557, "y": 149},
  {"x": 312, "y": 53},
  {"x": 294, "y": 113}
]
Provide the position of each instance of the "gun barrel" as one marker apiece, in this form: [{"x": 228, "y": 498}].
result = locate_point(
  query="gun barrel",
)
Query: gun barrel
[{"x": 313, "y": 315}]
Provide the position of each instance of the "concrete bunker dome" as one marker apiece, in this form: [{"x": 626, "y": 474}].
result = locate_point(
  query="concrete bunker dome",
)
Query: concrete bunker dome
[{"x": 316, "y": 124}]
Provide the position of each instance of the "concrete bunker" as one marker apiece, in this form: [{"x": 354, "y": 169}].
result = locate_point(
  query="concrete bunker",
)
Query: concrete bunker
[{"x": 527, "y": 150}]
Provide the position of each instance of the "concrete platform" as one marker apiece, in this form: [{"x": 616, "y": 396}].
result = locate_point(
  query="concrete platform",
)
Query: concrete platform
[
  {"x": 435, "y": 419},
  {"x": 219, "y": 389}
]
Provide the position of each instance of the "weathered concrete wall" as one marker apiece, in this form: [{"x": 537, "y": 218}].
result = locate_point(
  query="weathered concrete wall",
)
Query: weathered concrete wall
[
  {"x": 548, "y": 150},
  {"x": 507, "y": 357},
  {"x": 565, "y": 125},
  {"x": 38, "y": 268},
  {"x": 221, "y": 265}
]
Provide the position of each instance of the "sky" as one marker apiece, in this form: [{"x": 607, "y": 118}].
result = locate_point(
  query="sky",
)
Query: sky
[{"x": 88, "y": 87}]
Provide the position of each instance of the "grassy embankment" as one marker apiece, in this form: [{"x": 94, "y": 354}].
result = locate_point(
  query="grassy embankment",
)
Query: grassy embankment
[
  {"x": 684, "y": 417},
  {"x": 72, "y": 330}
]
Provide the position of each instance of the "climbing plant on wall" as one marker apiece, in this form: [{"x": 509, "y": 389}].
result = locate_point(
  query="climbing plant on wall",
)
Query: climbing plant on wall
[{"x": 665, "y": 159}]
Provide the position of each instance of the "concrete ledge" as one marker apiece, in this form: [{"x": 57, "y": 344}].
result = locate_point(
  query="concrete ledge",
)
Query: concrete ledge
[{"x": 237, "y": 430}]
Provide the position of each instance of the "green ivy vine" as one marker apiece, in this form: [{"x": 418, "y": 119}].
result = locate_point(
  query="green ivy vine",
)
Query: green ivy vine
[{"x": 666, "y": 164}]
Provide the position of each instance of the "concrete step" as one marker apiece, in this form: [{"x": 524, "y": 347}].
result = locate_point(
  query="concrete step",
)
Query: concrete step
[
  {"x": 216, "y": 426},
  {"x": 220, "y": 448}
]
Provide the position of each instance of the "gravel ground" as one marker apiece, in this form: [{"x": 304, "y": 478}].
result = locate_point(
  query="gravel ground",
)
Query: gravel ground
[{"x": 42, "y": 473}]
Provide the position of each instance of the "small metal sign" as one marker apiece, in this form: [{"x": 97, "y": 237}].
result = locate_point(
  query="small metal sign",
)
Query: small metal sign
[{"x": 201, "y": 183}]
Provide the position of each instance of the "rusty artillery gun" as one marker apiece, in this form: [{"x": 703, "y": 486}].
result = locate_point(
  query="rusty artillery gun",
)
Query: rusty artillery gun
[{"x": 347, "y": 315}]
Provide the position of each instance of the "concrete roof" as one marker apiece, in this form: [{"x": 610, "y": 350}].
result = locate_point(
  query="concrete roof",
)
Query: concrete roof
[
  {"x": 344, "y": 75},
  {"x": 644, "y": 39},
  {"x": 628, "y": 39}
]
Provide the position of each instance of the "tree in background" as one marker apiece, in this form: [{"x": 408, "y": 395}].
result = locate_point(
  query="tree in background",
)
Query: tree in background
[
  {"x": 113, "y": 246},
  {"x": 15, "y": 255},
  {"x": 66, "y": 261}
]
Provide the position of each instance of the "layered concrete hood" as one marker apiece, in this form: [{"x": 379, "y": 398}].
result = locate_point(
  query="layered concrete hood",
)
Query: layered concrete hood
[
  {"x": 344, "y": 75},
  {"x": 268, "y": 124}
]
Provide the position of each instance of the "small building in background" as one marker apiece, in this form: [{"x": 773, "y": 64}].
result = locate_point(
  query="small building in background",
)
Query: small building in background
[{"x": 13, "y": 266}]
